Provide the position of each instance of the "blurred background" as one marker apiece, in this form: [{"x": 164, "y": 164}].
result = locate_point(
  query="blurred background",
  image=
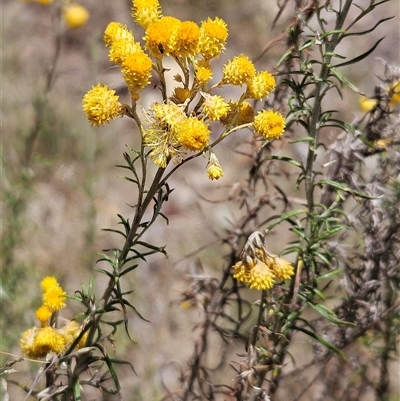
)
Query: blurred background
[{"x": 60, "y": 186}]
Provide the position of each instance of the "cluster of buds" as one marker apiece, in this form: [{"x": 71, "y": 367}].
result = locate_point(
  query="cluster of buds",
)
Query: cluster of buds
[
  {"x": 180, "y": 123},
  {"x": 258, "y": 267},
  {"x": 38, "y": 342}
]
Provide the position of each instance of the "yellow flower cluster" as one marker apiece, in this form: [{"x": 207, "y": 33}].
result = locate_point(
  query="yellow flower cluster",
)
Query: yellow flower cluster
[
  {"x": 181, "y": 123},
  {"x": 37, "y": 342},
  {"x": 258, "y": 267}
]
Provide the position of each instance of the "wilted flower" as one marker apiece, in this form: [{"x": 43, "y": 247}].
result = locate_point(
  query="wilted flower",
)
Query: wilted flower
[{"x": 258, "y": 267}]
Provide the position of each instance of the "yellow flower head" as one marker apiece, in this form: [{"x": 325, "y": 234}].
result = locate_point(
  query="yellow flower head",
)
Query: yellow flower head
[
  {"x": 192, "y": 134},
  {"x": 43, "y": 314},
  {"x": 239, "y": 114},
  {"x": 213, "y": 36},
  {"x": 121, "y": 48},
  {"x": 239, "y": 272},
  {"x": 37, "y": 343},
  {"x": 187, "y": 38},
  {"x": 116, "y": 31},
  {"x": 48, "y": 340},
  {"x": 203, "y": 72},
  {"x": 238, "y": 71},
  {"x": 136, "y": 69},
  {"x": 101, "y": 105},
  {"x": 282, "y": 269},
  {"x": 48, "y": 282},
  {"x": 145, "y": 12},
  {"x": 214, "y": 107},
  {"x": 214, "y": 169},
  {"x": 269, "y": 124},
  {"x": 367, "y": 104},
  {"x": 261, "y": 85},
  {"x": 54, "y": 298},
  {"x": 161, "y": 36},
  {"x": 260, "y": 277},
  {"x": 44, "y": 2},
  {"x": 75, "y": 15}
]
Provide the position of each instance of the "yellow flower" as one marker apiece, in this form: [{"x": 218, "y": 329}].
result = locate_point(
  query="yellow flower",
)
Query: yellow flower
[
  {"x": 145, "y": 12},
  {"x": 48, "y": 282},
  {"x": 187, "y": 38},
  {"x": 101, "y": 105},
  {"x": 238, "y": 71},
  {"x": 239, "y": 114},
  {"x": 261, "y": 85},
  {"x": 48, "y": 340},
  {"x": 282, "y": 269},
  {"x": 54, "y": 298},
  {"x": 121, "y": 48},
  {"x": 367, "y": 104},
  {"x": 213, "y": 36},
  {"x": 214, "y": 107},
  {"x": 214, "y": 169},
  {"x": 116, "y": 31},
  {"x": 75, "y": 15},
  {"x": 193, "y": 134},
  {"x": 203, "y": 72},
  {"x": 43, "y": 314},
  {"x": 136, "y": 70},
  {"x": 37, "y": 343},
  {"x": 239, "y": 272},
  {"x": 44, "y": 2},
  {"x": 269, "y": 124},
  {"x": 260, "y": 277},
  {"x": 161, "y": 35}
]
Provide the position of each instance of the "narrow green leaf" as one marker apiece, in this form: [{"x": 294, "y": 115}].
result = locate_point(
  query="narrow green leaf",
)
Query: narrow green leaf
[
  {"x": 284, "y": 159},
  {"x": 285, "y": 217},
  {"x": 361, "y": 56},
  {"x": 303, "y": 139},
  {"x": 344, "y": 188},
  {"x": 329, "y": 275},
  {"x": 284, "y": 57},
  {"x": 368, "y": 30},
  {"x": 344, "y": 80}
]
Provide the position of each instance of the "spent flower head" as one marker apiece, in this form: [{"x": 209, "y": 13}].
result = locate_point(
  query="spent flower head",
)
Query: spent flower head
[{"x": 259, "y": 268}]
